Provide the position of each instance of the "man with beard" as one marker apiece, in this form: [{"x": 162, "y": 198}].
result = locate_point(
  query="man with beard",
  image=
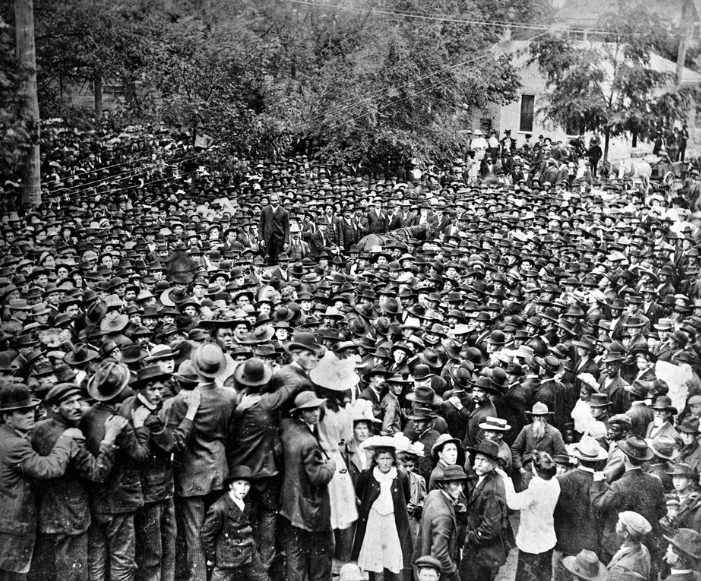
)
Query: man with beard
[
  {"x": 483, "y": 409},
  {"x": 538, "y": 435}
]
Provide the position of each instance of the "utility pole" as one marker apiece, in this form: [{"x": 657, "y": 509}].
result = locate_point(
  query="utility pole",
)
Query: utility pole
[
  {"x": 685, "y": 28},
  {"x": 26, "y": 58}
]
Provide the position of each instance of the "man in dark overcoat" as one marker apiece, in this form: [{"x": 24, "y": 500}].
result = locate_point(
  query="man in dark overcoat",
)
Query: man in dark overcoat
[
  {"x": 636, "y": 491},
  {"x": 484, "y": 550},
  {"x": 306, "y": 503},
  {"x": 20, "y": 468},
  {"x": 576, "y": 522},
  {"x": 274, "y": 229},
  {"x": 438, "y": 533},
  {"x": 64, "y": 504}
]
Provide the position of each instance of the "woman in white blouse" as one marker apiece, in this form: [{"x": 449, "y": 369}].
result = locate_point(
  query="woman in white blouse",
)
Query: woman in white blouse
[{"x": 536, "y": 533}]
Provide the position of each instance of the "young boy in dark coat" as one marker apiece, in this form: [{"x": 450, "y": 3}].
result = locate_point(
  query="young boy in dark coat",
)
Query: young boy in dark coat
[{"x": 227, "y": 534}]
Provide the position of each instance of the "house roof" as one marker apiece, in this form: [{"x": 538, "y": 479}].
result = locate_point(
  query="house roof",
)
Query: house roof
[
  {"x": 584, "y": 14},
  {"x": 519, "y": 50}
]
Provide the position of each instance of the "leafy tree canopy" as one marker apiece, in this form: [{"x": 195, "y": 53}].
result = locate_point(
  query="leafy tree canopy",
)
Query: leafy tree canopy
[{"x": 607, "y": 83}]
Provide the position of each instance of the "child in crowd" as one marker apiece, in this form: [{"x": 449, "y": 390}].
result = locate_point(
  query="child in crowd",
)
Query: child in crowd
[{"x": 227, "y": 535}]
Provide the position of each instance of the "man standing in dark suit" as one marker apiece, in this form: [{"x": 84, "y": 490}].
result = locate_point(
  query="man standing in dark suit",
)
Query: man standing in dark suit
[
  {"x": 576, "y": 524},
  {"x": 306, "y": 502},
  {"x": 635, "y": 490},
  {"x": 487, "y": 520},
  {"x": 377, "y": 219},
  {"x": 274, "y": 229}
]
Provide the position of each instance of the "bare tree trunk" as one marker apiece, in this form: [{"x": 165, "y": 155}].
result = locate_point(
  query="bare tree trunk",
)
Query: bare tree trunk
[
  {"x": 26, "y": 57},
  {"x": 97, "y": 83},
  {"x": 606, "y": 145}
]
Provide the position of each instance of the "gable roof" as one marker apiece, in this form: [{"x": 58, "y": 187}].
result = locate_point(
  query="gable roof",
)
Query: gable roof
[
  {"x": 584, "y": 14},
  {"x": 520, "y": 55}
]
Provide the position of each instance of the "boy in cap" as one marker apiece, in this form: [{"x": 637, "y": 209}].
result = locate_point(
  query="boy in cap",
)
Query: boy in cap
[
  {"x": 64, "y": 507},
  {"x": 633, "y": 555},
  {"x": 428, "y": 568},
  {"x": 227, "y": 534}
]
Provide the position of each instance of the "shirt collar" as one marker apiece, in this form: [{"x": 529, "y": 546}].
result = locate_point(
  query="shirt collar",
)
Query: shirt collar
[{"x": 147, "y": 404}]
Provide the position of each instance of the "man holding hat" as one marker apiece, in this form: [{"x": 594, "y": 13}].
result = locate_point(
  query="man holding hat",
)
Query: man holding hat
[
  {"x": 636, "y": 491},
  {"x": 20, "y": 468},
  {"x": 306, "y": 503},
  {"x": 64, "y": 507},
  {"x": 155, "y": 521},
  {"x": 633, "y": 555}
]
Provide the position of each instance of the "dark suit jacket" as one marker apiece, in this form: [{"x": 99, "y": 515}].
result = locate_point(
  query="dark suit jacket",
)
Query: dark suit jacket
[
  {"x": 438, "y": 533},
  {"x": 317, "y": 244},
  {"x": 487, "y": 520},
  {"x": 274, "y": 224},
  {"x": 227, "y": 535},
  {"x": 636, "y": 491},
  {"x": 576, "y": 522},
  {"x": 377, "y": 224},
  {"x": 306, "y": 502}
]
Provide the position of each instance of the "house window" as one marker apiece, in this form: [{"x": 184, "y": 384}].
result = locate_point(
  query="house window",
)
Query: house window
[
  {"x": 527, "y": 111},
  {"x": 576, "y": 34}
]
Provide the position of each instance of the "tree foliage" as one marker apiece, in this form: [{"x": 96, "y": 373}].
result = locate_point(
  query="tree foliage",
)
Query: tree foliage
[
  {"x": 608, "y": 84},
  {"x": 352, "y": 80},
  {"x": 16, "y": 126}
]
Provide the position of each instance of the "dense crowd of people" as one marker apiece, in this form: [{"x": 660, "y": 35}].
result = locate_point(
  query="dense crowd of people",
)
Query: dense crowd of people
[{"x": 219, "y": 368}]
